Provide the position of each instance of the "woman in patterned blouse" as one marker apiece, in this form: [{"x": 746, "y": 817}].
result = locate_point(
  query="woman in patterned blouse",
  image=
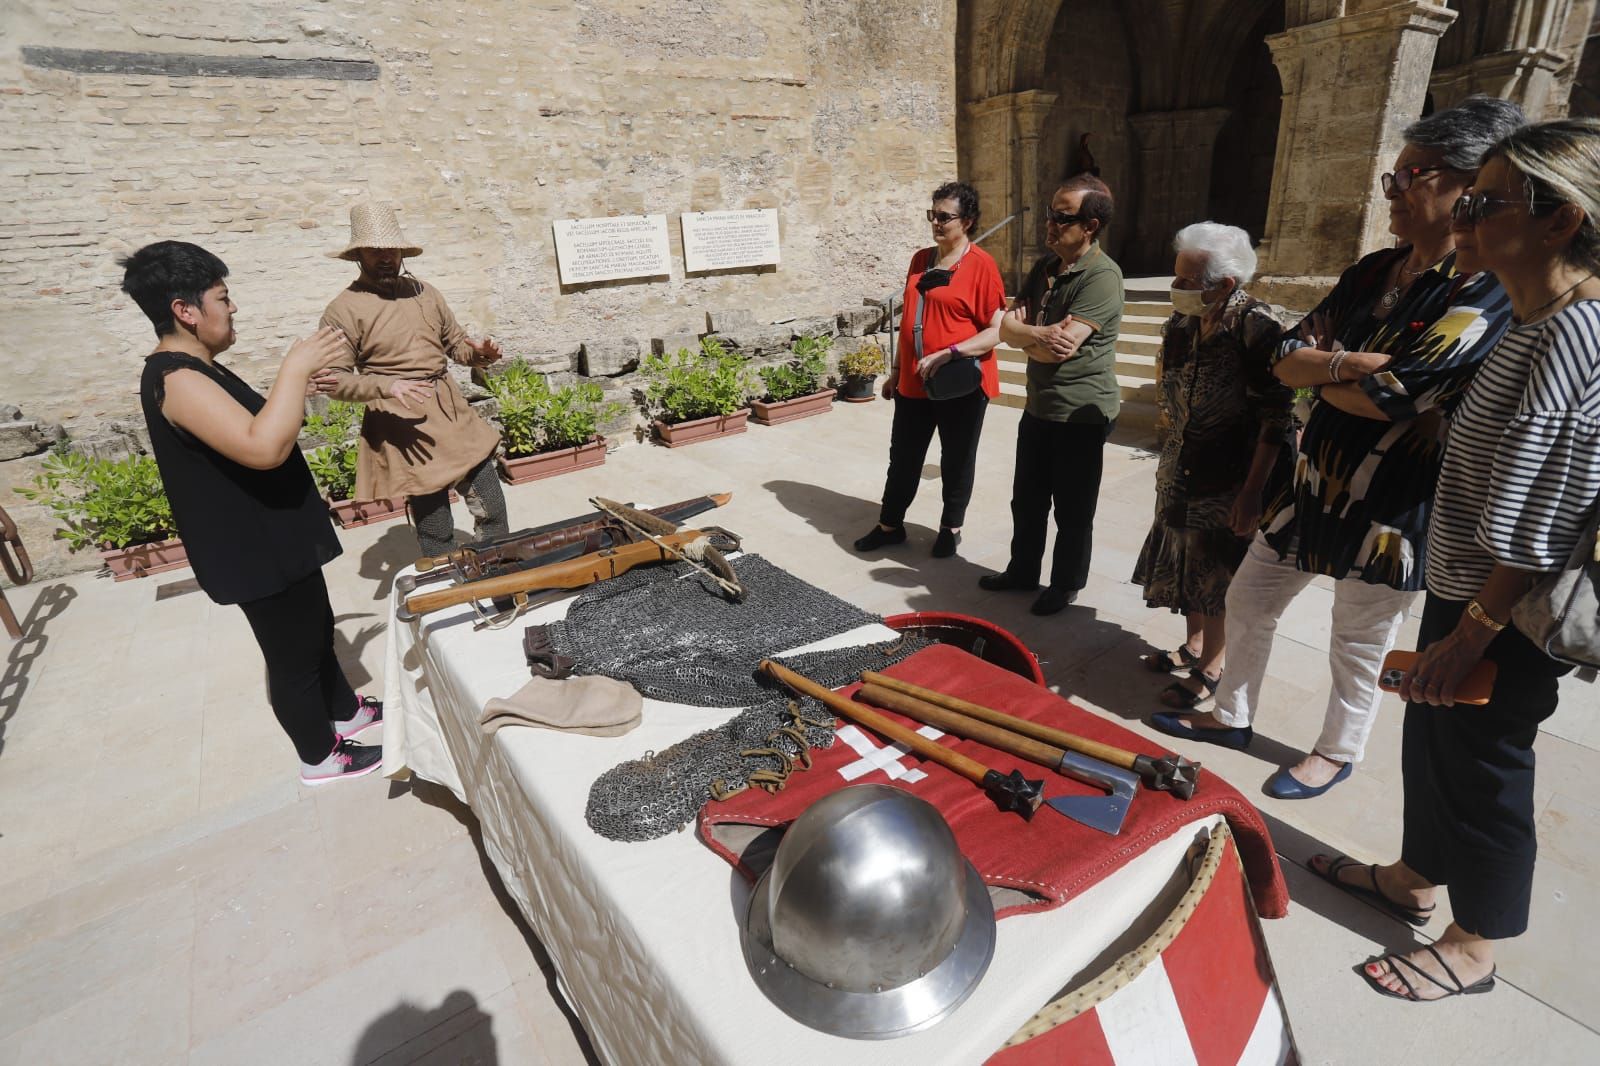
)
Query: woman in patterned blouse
[
  {"x": 1229, "y": 420},
  {"x": 1395, "y": 342}
]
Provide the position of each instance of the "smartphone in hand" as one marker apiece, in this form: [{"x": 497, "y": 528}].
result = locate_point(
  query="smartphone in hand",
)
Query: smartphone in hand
[{"x": 1474, "y": 689}]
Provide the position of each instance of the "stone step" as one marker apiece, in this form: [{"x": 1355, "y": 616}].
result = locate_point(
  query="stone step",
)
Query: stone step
[
  {"x": 1136, "y": 344},
  {"x": 1161, "y": 309},
  {"x": 1142, "y": 325},
  {"x": 1148, "y": 288}
]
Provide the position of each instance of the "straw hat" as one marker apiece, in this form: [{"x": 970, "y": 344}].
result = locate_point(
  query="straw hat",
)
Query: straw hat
[{"x": 374, "y": 226}]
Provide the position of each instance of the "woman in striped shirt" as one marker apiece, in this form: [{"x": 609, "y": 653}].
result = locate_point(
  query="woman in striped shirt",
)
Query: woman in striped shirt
[{"x": 1521, "y": 475}]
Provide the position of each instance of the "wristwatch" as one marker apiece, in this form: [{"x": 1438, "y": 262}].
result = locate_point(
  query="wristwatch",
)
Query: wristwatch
[{"x": 1476, "y": 612}]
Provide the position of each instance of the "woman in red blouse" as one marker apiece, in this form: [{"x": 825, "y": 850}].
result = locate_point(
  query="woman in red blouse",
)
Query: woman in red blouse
[{"x": 946, "y": 373}]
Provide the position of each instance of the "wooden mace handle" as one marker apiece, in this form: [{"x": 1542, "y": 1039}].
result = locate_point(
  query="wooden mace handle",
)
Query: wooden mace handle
[
  {"x": 574, "y": 573},
  {"x": 996, "y": 737},
  {"x": 971, "y": 769},
  {"x": 1060, "y": 738}
]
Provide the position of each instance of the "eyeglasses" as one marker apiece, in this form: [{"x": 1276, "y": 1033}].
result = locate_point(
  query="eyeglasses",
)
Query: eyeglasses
[
  {"x": 942, "y": 217},
  {"x": 1399, "y": 181},
  {"x": 1473, "y": 208},
  {"x": 1061, "y": 218}
]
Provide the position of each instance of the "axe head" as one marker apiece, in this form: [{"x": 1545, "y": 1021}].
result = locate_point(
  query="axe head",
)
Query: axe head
[{"x": 1105, "y": 813}]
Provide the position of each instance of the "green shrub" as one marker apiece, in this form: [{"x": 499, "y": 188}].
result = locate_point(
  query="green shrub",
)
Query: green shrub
[
  {"x": 801, "y": 375},
  {"x": 104, "y": 503},
  {"x": 339, "y": 424},
  {"x": 535, "y": 419},
  {"x": 333, "y": 468},
  {"x": 688, "y": 384},
  {"x": 865, "y": 362}
]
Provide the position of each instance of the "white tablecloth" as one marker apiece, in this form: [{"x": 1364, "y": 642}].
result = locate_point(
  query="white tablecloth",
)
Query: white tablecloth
[{"x": 645, "y": 936}]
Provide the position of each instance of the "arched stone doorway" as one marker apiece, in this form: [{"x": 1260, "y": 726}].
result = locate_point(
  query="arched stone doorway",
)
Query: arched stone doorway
[{"x": 1152, "y": 83}]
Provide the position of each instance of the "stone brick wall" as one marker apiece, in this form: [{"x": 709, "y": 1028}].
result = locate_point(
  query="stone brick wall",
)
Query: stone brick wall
[{"x": 484, "y": 122}]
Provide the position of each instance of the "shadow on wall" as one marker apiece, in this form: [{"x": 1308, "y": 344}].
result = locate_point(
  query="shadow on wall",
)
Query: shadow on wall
[
  {"x": 457, "y": 1031},
  {"x": 51, "y": 601}
]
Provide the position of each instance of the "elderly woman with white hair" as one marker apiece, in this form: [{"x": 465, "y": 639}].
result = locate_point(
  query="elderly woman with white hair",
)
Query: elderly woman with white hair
[{"x": 1230, "y": 423}]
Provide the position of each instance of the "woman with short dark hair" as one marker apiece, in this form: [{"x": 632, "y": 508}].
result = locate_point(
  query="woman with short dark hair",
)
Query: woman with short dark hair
[
  {"x": 945, "y": 374},
  {"x": 256, "y": 532}
]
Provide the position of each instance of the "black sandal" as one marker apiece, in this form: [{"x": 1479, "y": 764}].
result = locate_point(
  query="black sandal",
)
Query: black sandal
[
  {"x": 1413, "y": 916},
  {"x": 1483, "y": 984},
  {"x": 1185, "y": 698},
  {"x": 1168, "y": 662}
]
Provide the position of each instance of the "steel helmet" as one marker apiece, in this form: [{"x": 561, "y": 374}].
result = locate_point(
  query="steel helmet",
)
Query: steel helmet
[{"x": 870, "y": 922}]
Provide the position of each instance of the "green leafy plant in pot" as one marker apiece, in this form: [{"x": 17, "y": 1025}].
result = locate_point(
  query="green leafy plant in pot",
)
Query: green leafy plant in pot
[
  {"x": 860, "y": 369},
  {"x": 802, "y": 375},
  {"x": 536, "y": 420},
  {"x": 104, "y": 503},
  {"x": 333, "y": 464},
  {"x": 689, "y": 385}
]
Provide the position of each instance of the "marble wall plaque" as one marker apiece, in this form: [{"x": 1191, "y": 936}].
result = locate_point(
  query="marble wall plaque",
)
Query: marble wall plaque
[
  {"x": 605, "y": 249},
  {"x": 722, "y": 240}
]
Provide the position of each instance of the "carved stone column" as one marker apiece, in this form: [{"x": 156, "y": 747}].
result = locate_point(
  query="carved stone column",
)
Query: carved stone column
[
  {"x": 1030, "y": 108},
  {"x": 1350, "y": 86},
  {"x": 1174, "y": 168},
  {"x": 990, "y": 158}
]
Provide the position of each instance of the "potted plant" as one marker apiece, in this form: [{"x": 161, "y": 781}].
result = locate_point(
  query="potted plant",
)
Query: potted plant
[
  {"x": 333, "y": 467},
  {"x": 860, "y": 369},
  {"x": 116, "y": 506},
  {"x": 548, "y": 432},
  {"x": 698, "y": 395},
  {"x": 794, "y": 389}
]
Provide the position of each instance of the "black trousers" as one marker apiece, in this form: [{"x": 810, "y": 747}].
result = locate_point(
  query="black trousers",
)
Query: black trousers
[
  {"x": 959, "y": 423},
  {"x": 1060, "y": 463},
  {"x": 305, "y": 683},
  {"x": 1468, "y": 775}
]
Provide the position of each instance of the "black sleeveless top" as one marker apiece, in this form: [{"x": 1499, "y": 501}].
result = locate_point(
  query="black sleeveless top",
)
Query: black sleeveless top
[{"x": 248, "y": 533}]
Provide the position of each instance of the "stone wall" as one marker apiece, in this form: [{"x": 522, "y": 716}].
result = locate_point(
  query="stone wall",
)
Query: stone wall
[{"x": 251, "y": 129}]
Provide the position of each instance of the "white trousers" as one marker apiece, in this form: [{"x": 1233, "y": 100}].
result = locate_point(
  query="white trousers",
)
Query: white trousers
[{"x": 1366, "y": 619}]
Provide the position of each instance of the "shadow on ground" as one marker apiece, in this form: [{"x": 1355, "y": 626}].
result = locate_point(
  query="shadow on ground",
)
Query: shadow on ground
[
  {"x": 442, "y": 798},
  {"x": 408, "y": 1032},
  {"x": 382, "y": 562},
  {"x": 46, "y": 607}
]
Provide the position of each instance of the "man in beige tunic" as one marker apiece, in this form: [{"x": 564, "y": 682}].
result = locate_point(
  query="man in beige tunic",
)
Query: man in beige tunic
[{"x": 419, "y": 438}]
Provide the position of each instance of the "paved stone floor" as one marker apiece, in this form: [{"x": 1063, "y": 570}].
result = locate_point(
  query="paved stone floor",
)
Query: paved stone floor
[{"x": 170, "y": 894}]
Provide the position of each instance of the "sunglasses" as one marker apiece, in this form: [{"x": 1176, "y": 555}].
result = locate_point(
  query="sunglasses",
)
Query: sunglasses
[
  {"x": 942, "y": 217},
  {"x": 1473, "y": 208},
  {"x": 1061, "y": 218},
  {"x": 1400, "y": 180}
]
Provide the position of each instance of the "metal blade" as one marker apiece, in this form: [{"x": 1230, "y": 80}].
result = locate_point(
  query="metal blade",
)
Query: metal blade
[{"x": 1105, "y": 813}]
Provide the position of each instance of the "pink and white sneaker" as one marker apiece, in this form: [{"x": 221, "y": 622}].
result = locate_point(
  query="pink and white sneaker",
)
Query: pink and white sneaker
[
  {"x": 347, "y": 759},
  {"x": 369, "y": 713}
]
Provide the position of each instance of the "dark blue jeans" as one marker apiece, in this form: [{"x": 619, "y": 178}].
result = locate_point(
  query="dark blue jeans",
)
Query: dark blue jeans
[{"x": 959, "y": 423}]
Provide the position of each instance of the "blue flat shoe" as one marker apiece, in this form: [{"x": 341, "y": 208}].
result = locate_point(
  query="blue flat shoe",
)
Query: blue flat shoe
[
  {"x": 1283, "y": 785},
  {"x": 1172, "y": 724}
]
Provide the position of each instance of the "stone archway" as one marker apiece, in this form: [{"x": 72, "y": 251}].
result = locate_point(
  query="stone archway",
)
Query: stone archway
[{"x": 1146, "y": 79}]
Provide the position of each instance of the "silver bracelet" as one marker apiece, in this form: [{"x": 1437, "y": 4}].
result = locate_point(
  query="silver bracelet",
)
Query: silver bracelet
[{"x": 1334, "y": 363}]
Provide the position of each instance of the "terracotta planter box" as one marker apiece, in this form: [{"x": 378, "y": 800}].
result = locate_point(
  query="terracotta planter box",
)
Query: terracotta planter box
[
  {"x": 142, "y": 560},
  {"x": 699, "y": 429},
  {"x": 515, "y": 471},
  {"x": 860, "y": 390},
  {"x": 352, "y": 514},
  {"x": 772, "y": 414}
]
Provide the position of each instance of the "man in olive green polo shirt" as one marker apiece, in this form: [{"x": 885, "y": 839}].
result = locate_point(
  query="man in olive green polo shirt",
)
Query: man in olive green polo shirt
[{"x": 1066, "y": 320}]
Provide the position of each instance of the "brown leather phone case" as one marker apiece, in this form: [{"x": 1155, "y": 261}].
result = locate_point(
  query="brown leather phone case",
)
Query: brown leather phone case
[{"x": 1475, "y": 688}]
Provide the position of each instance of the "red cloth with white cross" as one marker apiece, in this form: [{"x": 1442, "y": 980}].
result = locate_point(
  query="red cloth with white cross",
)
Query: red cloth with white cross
[
  {"x": 1208, "y": 998},
  {"x": 1049, "y": 858}
]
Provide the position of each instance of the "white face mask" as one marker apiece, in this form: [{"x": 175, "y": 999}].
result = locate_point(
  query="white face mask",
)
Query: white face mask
[{"x": 1188, "y": 301}]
